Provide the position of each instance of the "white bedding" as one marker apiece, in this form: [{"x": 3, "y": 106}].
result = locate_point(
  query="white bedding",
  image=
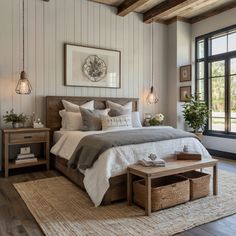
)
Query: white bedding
[{"x": 115, "y": 160}]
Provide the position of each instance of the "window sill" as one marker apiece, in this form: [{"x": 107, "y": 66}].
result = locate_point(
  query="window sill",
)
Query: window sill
[{"x": 220, "y": 134}]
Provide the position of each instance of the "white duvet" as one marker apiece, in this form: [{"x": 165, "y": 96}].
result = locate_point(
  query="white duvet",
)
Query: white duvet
[{"x": 114, "y": 161}]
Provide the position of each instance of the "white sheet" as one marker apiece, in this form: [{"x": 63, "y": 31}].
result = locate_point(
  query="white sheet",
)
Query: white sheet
[
  {"x": 57, "y": 135},
  {"x": 115, "y": 160}
]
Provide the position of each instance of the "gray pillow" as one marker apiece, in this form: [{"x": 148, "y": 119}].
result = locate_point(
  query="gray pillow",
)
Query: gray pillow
[
  {"x": 119, "y": 111},
  {"x": 92, "y": 119}
]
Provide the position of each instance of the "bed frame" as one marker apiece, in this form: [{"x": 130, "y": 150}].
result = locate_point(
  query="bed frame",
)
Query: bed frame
[{"x": 118, "y": 184}]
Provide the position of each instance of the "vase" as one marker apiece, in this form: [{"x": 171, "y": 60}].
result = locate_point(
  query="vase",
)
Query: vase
[{"x": 17, "y": 125}]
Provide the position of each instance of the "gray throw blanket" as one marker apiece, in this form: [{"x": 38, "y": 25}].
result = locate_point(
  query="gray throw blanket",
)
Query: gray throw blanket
[{"x": 92, "y": 146}]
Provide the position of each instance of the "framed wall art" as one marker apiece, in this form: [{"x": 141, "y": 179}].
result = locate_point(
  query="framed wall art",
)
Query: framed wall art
[
  {"x": 92, "y": 67},
  {"x": 185, "y": 73},
  {"x": 184, "y": 93}
]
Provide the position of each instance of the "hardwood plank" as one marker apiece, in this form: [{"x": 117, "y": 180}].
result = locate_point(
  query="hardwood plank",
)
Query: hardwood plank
[
  {"x": 213, "y": 12},
  {"x": 128, "y": 6}
]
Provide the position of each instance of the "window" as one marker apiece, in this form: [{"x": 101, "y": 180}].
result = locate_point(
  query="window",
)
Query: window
[{"x": 216, "y": 79}]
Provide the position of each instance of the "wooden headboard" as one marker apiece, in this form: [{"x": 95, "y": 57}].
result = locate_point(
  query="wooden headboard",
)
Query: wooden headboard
[{"x": 54, "y": 105}]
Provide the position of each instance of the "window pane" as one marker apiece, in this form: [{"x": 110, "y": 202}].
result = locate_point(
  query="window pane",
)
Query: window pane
[
  {"x": 233, "y": 96},
  {"x": 200, "y": 88},
  {"x": 233, "y": 125},
  {"x": 200, "y": 70},
  {"x": 218, "y": 97},
  {"x": 232, "y": 42},
  {"x": 218, "y": 124},
  {"x": 218, "y": 45},
  {"x": 217, "y": 68},
  {"x": 200, "y": 49},
  {"x": 233, "y": 66}
]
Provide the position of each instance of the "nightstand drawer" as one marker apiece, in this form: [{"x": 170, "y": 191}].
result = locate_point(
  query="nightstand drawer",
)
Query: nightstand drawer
[{"x": 27, "y": 137}]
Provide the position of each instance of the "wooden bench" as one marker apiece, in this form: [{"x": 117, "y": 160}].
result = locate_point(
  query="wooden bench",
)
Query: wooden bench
[{"x": 171, "y": 168}]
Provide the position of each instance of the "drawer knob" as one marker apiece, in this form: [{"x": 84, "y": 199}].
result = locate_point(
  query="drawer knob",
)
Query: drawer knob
[{"x": 27, "y": 137}]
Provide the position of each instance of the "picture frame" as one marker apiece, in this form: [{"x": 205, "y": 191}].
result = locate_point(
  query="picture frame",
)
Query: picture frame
[
  {"x": 185, "y": 73},
  {"x": 185, "y": 93},
  {"x": 92, "y": 67}
]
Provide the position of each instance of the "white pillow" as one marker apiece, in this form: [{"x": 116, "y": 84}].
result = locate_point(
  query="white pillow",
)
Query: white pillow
[
  {"x": 113, "y": 105},
  {"x": 136, "y": 120},
  {"x": 71, "y": 120},
  {"x": 71, "y": 107},
  {"x": 117, "y": 122}
]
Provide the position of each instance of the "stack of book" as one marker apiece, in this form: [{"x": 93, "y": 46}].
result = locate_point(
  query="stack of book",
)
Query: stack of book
[{"x": 26, "y": 158}]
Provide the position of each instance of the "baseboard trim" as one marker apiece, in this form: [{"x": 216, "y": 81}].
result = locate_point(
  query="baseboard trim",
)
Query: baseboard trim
[{"x": 227, "y": 155}]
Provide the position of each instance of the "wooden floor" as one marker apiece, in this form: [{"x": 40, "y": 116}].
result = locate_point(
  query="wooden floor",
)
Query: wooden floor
[{"x": 15, "y": 218}]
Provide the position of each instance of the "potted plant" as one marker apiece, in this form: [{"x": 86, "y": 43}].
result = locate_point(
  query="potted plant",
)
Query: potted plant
[
  {"x": 17, "y": 120},
  {"x": 156, "y": 119},
  {"x": 195, "y": 114}
]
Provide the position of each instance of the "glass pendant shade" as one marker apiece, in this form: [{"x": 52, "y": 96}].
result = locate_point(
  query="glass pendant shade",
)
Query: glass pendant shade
[
  {"x": 152, "y": 97},
  {"x": 23, "y": 85}
]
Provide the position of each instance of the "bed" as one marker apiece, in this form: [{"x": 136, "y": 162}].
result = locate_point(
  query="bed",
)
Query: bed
[{"x": 115, "y": 188}]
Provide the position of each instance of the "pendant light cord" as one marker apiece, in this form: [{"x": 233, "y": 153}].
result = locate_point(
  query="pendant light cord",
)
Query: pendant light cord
[
  {"x": 152, "y": 52},
  {"x": 23, "y": 29}
]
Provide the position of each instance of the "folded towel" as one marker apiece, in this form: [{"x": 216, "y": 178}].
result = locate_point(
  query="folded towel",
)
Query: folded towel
[{"x": 157, "y": 162}]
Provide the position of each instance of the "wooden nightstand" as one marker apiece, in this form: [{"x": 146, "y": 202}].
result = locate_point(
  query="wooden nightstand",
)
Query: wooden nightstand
[{"x": 16, "y": 138}]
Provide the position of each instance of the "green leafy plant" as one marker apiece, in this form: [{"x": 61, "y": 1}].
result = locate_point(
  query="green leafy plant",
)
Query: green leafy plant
[
  {"x": 12, "y": 117},
  {"x": 195, "y": 113},
  {"x": 156, "y": 119}
]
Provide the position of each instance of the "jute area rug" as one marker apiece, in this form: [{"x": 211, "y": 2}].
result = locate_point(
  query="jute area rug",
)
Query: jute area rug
[{"x": 61, "y": 208}]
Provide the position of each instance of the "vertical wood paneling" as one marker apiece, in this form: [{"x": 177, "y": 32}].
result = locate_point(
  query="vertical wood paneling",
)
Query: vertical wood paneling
[
  {"x": 48, "y": 26},
  {"x": 78, "y": 34}
]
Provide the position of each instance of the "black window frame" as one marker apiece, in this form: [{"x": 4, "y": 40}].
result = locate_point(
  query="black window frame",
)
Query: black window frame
[{"x": 206, "y": 60}]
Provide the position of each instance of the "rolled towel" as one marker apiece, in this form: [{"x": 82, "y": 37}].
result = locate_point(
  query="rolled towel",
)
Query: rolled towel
[{"x": 157, "y": 162}]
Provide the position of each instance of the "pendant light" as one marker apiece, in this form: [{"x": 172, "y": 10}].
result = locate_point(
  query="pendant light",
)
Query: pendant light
[
  {"x": 152, "y": 97},
  {"x": 23, "y": 85}
]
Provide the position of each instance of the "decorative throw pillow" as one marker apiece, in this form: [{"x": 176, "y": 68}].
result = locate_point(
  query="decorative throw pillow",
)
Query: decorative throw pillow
[
  {"x": 69, "y": 106},
  {"x": 92, "y": 119},
  {"x": 119, "y": 109},
  {"x": 136, "y": 120},
  {"x": 70, "y": 120},
  {"x": 119, "y": 112},
  {"x": 117, "y": 122}
]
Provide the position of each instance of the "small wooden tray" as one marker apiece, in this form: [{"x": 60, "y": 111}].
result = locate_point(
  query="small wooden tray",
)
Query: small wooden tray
[{"x": 188, "y": 156}]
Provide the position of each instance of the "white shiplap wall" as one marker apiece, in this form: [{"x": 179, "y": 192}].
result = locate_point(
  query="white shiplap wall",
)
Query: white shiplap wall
[{"x": 48, "y": 25}]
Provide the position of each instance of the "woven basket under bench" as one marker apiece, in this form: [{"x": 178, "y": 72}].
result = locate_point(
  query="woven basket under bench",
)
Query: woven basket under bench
[
  {"x": 199, "y": 184},
  {"x": 166, "y": 192}
]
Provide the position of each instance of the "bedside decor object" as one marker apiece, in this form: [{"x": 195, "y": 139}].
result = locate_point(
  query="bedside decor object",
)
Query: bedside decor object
[
  {"x": 196, "y": 113},
  {"x": 16, "y": 120},
  {"x": 23, "y": 85},
  {"x": 154, "y": 120},
  {"x": 184, "y": 93},
  {"x": 12, "y": 138},
  {"x": 92, "y": 67},
  {"x": 38, "y": 124},
  {"x": 185, "y": 73},
  {"x": 152, "y": 97}
]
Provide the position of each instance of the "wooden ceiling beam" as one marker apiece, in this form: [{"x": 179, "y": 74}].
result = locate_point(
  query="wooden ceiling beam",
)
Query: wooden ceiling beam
[
  {"x": 166, "y": 7},
  {"x": 129, "y": 5},
  {"x": 212, "y": 12},
  {"x": 177, "y": 18}
]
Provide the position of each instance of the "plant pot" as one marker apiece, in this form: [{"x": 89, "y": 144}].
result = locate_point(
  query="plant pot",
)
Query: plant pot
[
  {"x": 17, "y": 125},
  {"x": 200, "y": 135}
]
